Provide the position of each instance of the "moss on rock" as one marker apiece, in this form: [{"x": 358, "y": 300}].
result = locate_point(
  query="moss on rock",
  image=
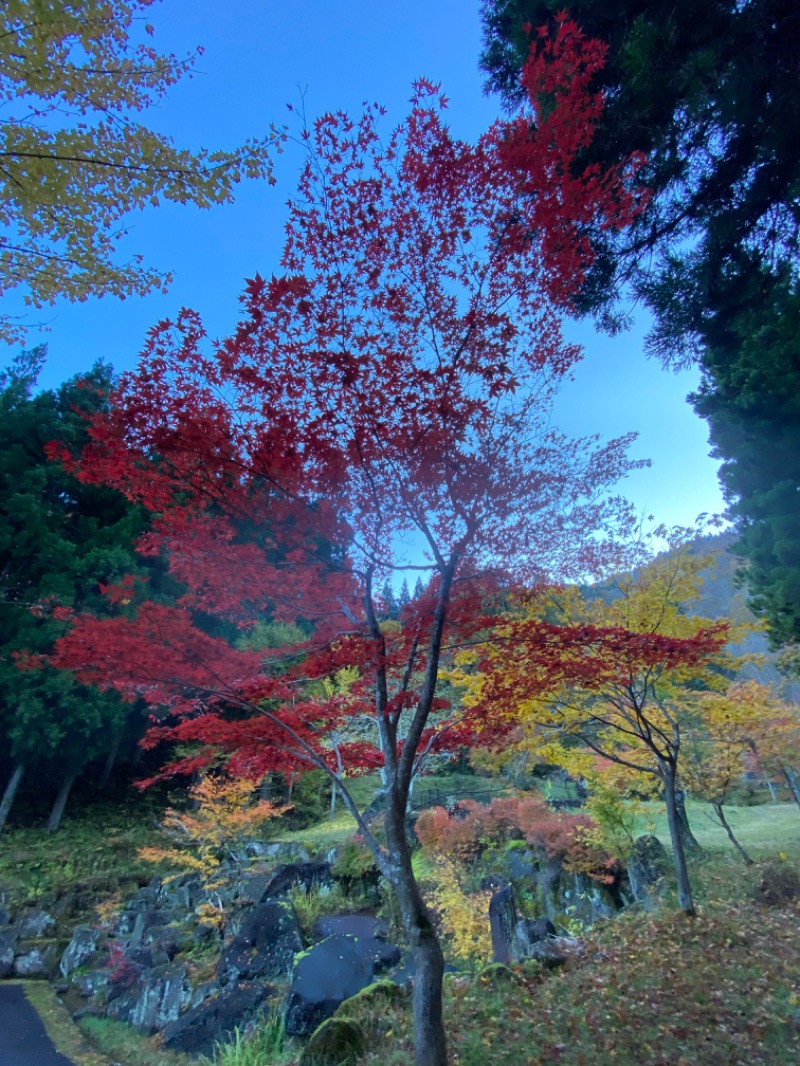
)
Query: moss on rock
[{"x": 337, "y": 1042}]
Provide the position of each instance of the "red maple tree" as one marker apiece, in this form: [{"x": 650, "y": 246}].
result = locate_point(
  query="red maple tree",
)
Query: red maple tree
[{"x": 383, "y": 406}]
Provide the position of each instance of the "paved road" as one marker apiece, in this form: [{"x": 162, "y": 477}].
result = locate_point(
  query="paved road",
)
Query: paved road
[{"x": 23, "y": 1039}]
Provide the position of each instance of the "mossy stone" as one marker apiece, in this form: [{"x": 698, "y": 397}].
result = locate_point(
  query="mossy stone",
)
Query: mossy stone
[
  {"x": 496, "y": 971},
  {"x": 384, "y": 990},
  {"x": 337, "y": 1042}
]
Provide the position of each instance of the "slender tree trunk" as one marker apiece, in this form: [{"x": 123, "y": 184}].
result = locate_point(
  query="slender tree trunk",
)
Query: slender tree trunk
[
  {"x": 791, "y": 781},
  {"x": 334, "y": 786},
  {"x": 771, "y": 788},
  {"x": 57, "y": 813},
  {"x": 690, "y": 842},
  {"x": 724, "y": 823},
  {"x": 685, "y": 900},
  {"x": 111, "y": 759},
  {"x": 9, "y": 793},
  {"x": 430, "y": 1044}
]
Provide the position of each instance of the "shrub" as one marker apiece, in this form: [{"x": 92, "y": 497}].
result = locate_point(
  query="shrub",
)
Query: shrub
[{"x": 779, "y": 884}]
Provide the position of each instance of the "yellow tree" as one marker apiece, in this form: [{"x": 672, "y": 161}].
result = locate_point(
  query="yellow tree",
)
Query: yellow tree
[
  {"x": 223, "y": 816},
  {"x": 622, "y": 682},
  {"x": 74, "y": 159}
]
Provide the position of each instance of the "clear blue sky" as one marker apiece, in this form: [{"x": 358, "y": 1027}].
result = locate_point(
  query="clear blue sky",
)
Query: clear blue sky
[{"x": 259, "y": 54}]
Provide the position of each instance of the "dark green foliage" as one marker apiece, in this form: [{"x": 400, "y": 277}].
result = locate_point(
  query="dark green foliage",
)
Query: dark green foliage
[
  {"x": 60, "y": 542},
  {"x": 751, "y": 396},
  {"x": 309, "y": 798},
  {"x": 709, "y": 92}
]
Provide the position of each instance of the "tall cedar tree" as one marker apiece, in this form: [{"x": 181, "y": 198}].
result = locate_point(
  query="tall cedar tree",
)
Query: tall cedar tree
[
  {"x": 395, "y": 380},
  {"x": 709, "y": 93},
  {"x": 60, "y": 541}
]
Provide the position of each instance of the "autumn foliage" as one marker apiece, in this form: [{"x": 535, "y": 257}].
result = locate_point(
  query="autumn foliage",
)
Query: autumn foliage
[
  {"x": 473, "y": 827},
  {"x": 383, "y": 405}
]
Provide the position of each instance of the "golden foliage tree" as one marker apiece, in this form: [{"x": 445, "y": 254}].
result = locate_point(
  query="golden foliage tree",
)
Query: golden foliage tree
[
  {"x": 223, "y": 817},
  {"x": 75, "y": 159}
]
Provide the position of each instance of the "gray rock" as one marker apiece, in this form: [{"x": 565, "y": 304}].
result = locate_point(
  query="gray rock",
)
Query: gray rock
[
  {"x": 265, "y": 945},
  {"x": 352, "y": 924},
  {"x": 80, "y": 948},
  {"x": 157, "y": 999},
  {"x": 308, "y": 874},
  {"x": 8, "y": 948},
  {"x": 528, "y": 933},
  {"x": 252, "y": 889},
  {"x": 5, "y": 917},
  {"x": 503, "y": 921},
  {"x": 216, "y": 1018},
  {"x": 647, "y": 865},
  {"x": 551, "y": 952},
  {"x": 324, "y": 976},
  {"x": 89, "y": 985},
  {"x": 337, "y": 1042},
  {"x": 584, "y": 899},
  {"x": 278, "y": 852},
  {"x": 38, "y": 960},
  {"x": 35, "y": 924}
]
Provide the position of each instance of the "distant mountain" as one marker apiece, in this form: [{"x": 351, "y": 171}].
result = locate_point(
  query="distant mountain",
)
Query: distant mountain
[{"x": 721, "y": 596}]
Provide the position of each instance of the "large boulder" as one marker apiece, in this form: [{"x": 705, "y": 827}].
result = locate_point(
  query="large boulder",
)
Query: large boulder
[
  {"x": 366, "y": 925},
  {"x": 337, "y": 1042},
  {"x": 265, "y": 945},
  {"x": 308, "y": 875},
  {"x": 216, "y": 1018},
  {"x": 585, "y": 899},
  {"x": 35, "y": 924},
  {"x": 82, "y": 946},
  {"x": 647, "y": 865},
  {"x": 503, "y": 920},
  {"x": 37, "y": 960},
  {"x": 324, "y": 976},
  {"x": 157, "y": 999}
]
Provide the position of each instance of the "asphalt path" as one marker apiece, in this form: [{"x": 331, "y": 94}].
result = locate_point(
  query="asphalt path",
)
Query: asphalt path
[{"x": 23, "y": 1038}]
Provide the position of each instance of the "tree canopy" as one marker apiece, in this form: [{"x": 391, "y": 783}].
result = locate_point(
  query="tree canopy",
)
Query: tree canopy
[
  {"x": 74, "y": 157},
  {"x": 708, "y": 94},
  {"x": 396, "y": 378}
]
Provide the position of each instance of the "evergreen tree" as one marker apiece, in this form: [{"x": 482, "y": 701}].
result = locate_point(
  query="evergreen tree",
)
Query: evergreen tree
[
  {"x": 390, "y": 606},
  {"x": 61, "y": 543},
  {"x": 404, "y": 598},
  {"x": 709, "y": 94}
]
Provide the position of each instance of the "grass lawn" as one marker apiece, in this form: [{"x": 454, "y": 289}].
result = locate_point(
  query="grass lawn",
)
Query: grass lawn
[{"x": 763, "y": 830}]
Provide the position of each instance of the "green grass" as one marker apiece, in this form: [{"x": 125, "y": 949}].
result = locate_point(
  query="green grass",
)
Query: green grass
[
  {"x": 126, "y": 1046},
  {"x": 61, "y": 1029},
  {"x": 94, "y": 853},
  {"x": 266, "y": 1045},
  {"x": 764, "y": 830},
  {"x": 331, "y": 832}
]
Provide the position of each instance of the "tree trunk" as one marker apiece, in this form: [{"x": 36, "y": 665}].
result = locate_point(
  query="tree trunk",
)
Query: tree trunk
[
  {"x": 111, "y": 759},
  {"x": 791, "y": 781},
  {"x": 10, "y": 793},
  {"x": 724, "y": 823},
  {"x": 430, "y": 1044},
  {"x": 685, "y": 900},
  {"x": 690, "y": 842},
  {"x": 771, "y": 788},
  {"x": 57, "y": 813}
]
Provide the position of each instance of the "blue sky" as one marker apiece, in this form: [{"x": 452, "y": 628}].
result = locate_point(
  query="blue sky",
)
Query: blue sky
[{"x": 259, "y": 56}]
